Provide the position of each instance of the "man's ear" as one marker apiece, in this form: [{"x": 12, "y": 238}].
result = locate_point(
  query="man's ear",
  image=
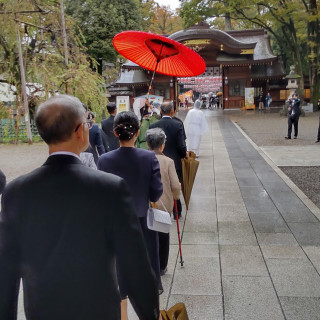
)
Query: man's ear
[
  {"x": 80, "y": 133},
  {"x": 115, "y": 134}
]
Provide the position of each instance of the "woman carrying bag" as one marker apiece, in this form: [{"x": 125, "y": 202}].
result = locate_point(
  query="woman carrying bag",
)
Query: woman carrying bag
[
  {"x": 140, "y": 169},
  {"x": 156, "y": 139}
]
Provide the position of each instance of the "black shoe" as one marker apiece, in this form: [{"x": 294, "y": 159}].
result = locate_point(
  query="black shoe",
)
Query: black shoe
[
  {"x": 317, "y": 141},
  {"x": 163, "y": 272},
  {"x": 287, "y": 137},
  {"x": 294, "y": 137},
  {"x": 175, "y": 216}
]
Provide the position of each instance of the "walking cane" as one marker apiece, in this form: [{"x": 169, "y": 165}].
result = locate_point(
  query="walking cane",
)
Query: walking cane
[{"x": 177, "y": 219}]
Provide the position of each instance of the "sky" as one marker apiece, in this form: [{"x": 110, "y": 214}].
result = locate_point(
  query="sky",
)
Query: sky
[{"x": 174, "y": 4}]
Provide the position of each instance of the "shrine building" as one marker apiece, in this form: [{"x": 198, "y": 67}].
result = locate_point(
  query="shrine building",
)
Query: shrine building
[{"x": 235, "y": 60}]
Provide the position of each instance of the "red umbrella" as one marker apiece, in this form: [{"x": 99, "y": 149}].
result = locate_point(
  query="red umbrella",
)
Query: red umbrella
[{"x": 159, "y": 54}]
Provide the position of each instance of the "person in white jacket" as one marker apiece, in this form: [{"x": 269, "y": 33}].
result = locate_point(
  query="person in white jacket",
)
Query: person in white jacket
[{"x": 195, "y": 126}]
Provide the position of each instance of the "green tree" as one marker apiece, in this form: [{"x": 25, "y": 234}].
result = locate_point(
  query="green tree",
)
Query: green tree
[
  {"x": 165, "y": 21},
  {"x": 43, "y": 54},
  {"x": 293, "y": 25},
  {"x": 100, "y": 20}
]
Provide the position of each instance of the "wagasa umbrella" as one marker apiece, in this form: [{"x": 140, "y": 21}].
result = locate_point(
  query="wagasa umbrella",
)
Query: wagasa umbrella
[
  {"x": 159, "y": 54},
  {"x": 189, "y": 170}
]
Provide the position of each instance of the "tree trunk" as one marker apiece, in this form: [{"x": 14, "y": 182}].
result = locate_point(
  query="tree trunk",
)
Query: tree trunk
[{"x": 228, "y": 22}]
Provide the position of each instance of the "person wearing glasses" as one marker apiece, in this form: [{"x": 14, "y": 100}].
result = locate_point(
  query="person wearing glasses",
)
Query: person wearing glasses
[{"x": 63, "y": 247}]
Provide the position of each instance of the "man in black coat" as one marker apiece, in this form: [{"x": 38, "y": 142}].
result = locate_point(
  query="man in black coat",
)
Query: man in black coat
[
  {"x": 175, "y": 147},
  {"x": 107, "y": 127},
  {"x": 293, "y": 116},
  {"x": 64, "y": 226},
  {"x": 95, "y": 139}
]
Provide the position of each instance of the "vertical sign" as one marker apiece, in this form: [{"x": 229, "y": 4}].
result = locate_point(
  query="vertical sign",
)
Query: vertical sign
[
  {"x": 123, "y": 103},
  {"x": 249, "y": 96}
]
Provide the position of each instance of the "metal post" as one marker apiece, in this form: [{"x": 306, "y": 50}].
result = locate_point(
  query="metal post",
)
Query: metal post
[{"x": 24, "y": 88}]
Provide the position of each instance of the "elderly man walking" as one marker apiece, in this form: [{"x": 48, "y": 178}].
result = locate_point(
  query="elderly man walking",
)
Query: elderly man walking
[
  {"x": 63, "y": 228},
  {"x": 175, "y": 147}
]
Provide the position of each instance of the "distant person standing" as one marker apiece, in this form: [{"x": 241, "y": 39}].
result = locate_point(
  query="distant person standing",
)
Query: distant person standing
[
  {"x": 293, "y": 115},
  {"x": 95, "y": 138},
  {"x": 107, "y": 127},
  {"x": 261, "y": 101},
  {"x": 268, "y": 100},
  {"x": 195, "y": 125}
]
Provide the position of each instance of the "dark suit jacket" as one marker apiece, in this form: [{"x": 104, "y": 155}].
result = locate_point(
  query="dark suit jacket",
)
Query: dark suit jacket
[
  {"x": 2, "y": 181},
  {"x": 96, "y": 142},
  {"x": 107, "y": 127},
  {"x": 140, "y": 169},
  {"x": 175, "y": 147},
  {"x": 62, "y": 227}
]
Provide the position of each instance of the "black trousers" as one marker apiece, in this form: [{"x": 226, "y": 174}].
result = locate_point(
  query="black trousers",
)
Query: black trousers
[
  {"x": 164, "y": 245},
  {"x": 293, "y": 122},
  {"x": 318, "y": 137}
]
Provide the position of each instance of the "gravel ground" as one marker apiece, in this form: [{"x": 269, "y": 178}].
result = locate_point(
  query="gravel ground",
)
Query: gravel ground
[
  {"x": 269, "y": 129},
  {"x": 16, "y": 160}
]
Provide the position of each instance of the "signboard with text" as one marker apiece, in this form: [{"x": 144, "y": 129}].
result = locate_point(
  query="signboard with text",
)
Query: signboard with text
[{"x": 123, "y": 103}]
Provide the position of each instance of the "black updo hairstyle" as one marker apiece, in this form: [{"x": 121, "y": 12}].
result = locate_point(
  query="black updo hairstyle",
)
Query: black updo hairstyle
[{"x": 126, "y": 125}]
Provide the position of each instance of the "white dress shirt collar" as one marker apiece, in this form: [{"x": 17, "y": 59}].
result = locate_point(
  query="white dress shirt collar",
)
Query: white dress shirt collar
[{"x": 64, "y": 153}]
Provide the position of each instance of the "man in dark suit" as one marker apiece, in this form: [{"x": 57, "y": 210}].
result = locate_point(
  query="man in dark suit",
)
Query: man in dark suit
[
  {"x": 107, "y": 127},
  {"x": 95, "y": 139},
  {"x": 175, "y": 147},
  {"x": 64, "y": 226},
  {"x": 2, "y": 181}
]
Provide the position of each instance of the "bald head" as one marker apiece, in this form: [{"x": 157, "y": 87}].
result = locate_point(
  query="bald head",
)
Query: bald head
[
  {"x": 166, "y": 108},
  {"x": 58, "y": 117}
]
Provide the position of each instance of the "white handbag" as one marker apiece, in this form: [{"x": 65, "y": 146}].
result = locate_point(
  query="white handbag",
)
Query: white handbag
[{"x": 158, "y": 220}]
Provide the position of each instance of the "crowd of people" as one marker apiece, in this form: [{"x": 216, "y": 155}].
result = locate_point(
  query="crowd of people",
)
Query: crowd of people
[{"x": 75, "y": 229}]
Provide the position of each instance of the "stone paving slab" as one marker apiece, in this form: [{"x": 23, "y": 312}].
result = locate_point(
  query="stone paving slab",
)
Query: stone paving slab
[
  {"x": 313, "y": 254},
  {"x": 295, "y": 156},
  {"x": 242, "y": 261},
  {"x": 294, "y": 277},
  {"x": 236, "y": 233},
  {"x": 200, "y": 276},
  {"x": 269, "y": 222},
  {"x": 301, "y": 308},
  {"x": 276, "y": 239},
  {"x": 307, "y": 234},
  {"x": 283, "y": 252},
  {"x": 232, "y": 213},
  {"x": 250, "y": 298}
]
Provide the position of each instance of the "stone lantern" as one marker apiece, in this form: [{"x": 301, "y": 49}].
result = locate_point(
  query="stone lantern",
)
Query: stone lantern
[{"x": 293, "y": 79}]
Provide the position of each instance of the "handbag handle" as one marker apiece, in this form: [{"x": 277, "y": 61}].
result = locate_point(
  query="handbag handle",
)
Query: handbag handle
[{"x": 162, "y": 205}]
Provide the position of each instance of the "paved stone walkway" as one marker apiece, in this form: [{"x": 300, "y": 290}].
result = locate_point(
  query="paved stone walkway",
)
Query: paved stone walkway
[{"x": 251, "y": 246}]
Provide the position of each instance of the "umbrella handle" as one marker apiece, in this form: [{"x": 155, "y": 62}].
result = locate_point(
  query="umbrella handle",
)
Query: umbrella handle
[{"x": 154, "y": 72}]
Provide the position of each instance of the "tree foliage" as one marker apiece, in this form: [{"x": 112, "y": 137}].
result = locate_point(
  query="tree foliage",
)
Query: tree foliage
[
  {"x": 43, "y": 55},
  {"x": 100, "y": 20},
  {"x": 293, "y": 25}
]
